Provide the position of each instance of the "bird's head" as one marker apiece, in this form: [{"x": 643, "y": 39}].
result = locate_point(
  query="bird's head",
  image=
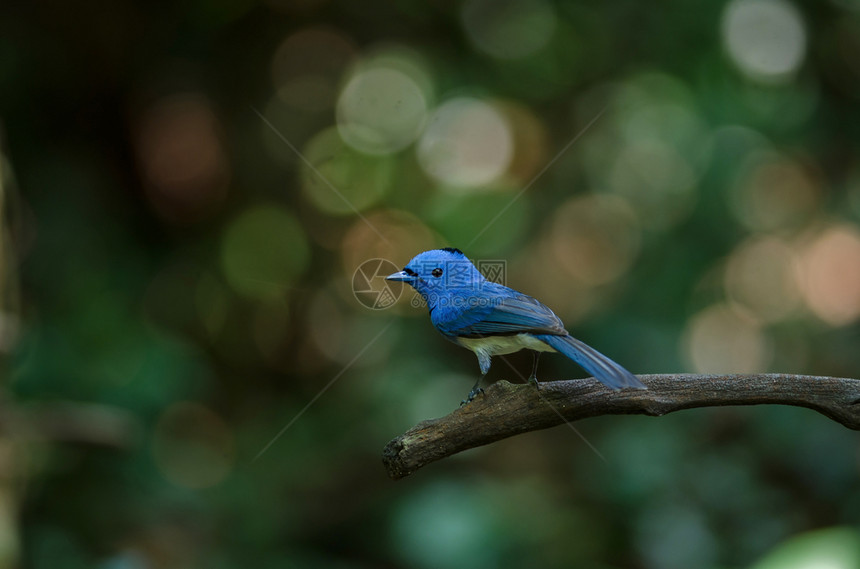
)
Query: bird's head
[{"x": 439, "y": 270}]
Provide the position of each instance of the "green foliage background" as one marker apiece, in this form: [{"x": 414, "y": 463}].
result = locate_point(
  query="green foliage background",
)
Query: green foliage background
[{"x": 195, "y": 384}]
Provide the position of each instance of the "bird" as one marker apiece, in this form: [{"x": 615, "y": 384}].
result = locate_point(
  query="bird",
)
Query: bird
[{"x": 492, "y": 319}]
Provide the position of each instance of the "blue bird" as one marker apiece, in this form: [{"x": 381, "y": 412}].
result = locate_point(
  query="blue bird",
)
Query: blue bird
[{"x": 491, "y": 319}]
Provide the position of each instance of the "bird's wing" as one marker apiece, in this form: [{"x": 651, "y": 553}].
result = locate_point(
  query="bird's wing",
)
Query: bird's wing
[{"x": 501, "y": 311}]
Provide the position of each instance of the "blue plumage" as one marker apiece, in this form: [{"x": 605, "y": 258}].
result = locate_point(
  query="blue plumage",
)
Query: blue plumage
[{"x": 492, "y": 319}]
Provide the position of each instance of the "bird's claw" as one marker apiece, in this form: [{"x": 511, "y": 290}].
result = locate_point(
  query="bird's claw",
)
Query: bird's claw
[
  {"x": 472, "y": 394},
  {"x": 533, "y": 381}
]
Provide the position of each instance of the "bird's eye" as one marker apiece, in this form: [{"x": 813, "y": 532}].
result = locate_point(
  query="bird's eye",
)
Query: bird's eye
[{"x": 437, "y": 272}]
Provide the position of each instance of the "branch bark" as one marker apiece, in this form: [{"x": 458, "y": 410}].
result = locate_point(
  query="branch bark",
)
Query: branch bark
[{"x": 506, "y": 409}]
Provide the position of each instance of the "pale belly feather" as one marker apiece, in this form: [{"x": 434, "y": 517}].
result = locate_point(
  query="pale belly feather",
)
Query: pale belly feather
[
  {"x": 486, "y": 348},
  {"x": 499, "y": 345}
]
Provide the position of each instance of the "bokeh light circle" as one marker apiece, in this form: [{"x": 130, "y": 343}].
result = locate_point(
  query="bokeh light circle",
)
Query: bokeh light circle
[
  {"x": 595, "y": 238},
  {"x": 338, "y": 179},
  {"x": 766, "y": 39},
  {"x": 829, "y": 275},
  {"x": 263, "y": 251},
  {"x": 760, "y": 275},
  {"x": 721, "y": 339},
  {"x": 381, "y": 111},
  {"x": 467, "y": 143},
  {"x": 182, "y": 157},
  {"x": 775, "y": 193}
]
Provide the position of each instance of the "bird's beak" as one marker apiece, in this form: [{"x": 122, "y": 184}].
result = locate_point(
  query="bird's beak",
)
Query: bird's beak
[{"x": 402, "y": 276}]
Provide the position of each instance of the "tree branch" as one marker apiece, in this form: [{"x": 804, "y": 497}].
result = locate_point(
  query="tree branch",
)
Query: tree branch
[{"x": 506, "y": 409}]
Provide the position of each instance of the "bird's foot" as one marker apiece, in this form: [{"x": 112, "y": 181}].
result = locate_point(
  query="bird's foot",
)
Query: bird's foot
[
  {"x": 533, "y": 381},
  {"x": 472, "y": 394}
]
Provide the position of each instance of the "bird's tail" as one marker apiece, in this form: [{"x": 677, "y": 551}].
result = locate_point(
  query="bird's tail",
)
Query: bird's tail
[{"x": 607, "y": 371}]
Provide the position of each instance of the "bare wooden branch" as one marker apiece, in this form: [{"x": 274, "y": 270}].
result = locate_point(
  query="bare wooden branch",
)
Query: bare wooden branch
[{"x": 506, "y": 409}]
